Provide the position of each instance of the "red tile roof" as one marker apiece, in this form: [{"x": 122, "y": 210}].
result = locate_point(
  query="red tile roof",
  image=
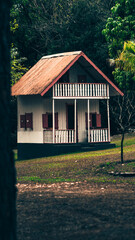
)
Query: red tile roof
[{"x": 47, "y": 71}]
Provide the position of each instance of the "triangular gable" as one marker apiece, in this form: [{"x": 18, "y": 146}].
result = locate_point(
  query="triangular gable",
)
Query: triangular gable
[
  {"x": 48, "y": 70},
  {"x": 81, "y": 54}
]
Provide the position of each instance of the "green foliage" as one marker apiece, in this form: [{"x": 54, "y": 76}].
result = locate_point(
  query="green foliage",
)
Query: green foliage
[
  {"x": 124, "y": 73},
  {"x": 125, "y": 79},
  {"x": 120, "y": 26},
  {"x": 13, "y": 25},
  {"x": 17, "y": 67},
  {"x": 126, "y": 60},
  {"x": 47, "y": 27}
]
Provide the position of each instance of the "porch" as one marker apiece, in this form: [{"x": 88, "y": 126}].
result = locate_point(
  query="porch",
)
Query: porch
[
  {"x": 76, "y": 107},
  {"x": 68, "y": 136}
]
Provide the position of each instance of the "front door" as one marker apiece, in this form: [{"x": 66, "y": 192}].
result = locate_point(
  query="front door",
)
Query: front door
[
  {"x": 70, "y": 119},
  {"x": 70, "y": 116}
]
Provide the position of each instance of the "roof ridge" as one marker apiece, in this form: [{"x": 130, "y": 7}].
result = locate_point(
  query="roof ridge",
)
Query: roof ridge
[{"x": 62, "y": 54}]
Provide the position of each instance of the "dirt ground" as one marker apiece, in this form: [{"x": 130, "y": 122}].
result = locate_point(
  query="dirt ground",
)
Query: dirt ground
[{"x": 76, "y": 211}]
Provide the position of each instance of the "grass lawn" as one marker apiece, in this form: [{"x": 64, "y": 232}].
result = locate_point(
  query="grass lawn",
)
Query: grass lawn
[
  {"x": 94, "y": 166},
  {"x": 74, "y": 197}
]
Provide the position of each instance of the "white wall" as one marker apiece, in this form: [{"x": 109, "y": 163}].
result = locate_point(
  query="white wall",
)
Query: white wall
[
  {"x": 39, "y": 105},
  {"x": 28, "y": 104}
]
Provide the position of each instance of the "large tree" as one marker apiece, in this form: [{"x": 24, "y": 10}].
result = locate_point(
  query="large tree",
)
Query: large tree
[{"x": 7, "y": 169}]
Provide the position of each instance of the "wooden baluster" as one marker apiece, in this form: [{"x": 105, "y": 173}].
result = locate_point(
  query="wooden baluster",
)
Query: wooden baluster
[
  {"x": 92, "y": 138},
  {"x": 60, "y": 89},
  {"x": 73, "y": 92},
  {"x": 88, "y": 90},
  {"x": 78, "y": 89},
  {"x": 101, "y": 135},
  {"x": 57, "y": 89},
  {"x": 96, "y": 89},
  {"x": 85, "y": 89},
  {"x": 72, "y": 136},
  {"x": 66, "y": 136},
  {"x": 80, "y": 94}
]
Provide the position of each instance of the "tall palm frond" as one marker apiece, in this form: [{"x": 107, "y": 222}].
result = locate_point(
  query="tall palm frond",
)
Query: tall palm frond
[{"x": 126, "y": 59}]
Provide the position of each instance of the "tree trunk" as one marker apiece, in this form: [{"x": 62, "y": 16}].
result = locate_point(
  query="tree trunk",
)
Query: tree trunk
[
  {"x": 122, "y": 140},
  {"x": 7, "y": 169}
]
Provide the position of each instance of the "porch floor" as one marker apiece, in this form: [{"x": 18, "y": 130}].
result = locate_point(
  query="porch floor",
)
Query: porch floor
[{"x": 34, "y": 150}]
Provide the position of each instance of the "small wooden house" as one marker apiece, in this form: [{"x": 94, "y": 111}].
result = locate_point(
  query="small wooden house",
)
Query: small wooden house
[{"x": 59, "y": 105}]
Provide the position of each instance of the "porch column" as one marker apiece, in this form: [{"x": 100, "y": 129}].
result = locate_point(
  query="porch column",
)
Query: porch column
[
  {"x": 88, "y": 120},
  {"x": 108, "y": 118},
  {"x": 53, "y": 118},
  {"x": 75, "y": 120}
]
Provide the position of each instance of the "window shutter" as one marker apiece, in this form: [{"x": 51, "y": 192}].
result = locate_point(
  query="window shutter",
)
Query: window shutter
[
  {"x": 98, "y": 120},
  {"x": 56, "y": 120},
  {"x": 45, "y": 120},
  {"x": 29, "y": 120},
  {"x": 22, "y": 121}
]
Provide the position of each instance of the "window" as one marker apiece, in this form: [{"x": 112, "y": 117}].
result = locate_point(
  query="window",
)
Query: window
[
  {"x": 50, "y": 120},
  {"x": 47, "y": 120},
  {"x": 95, "y": 120},
  {"x": 26, "y": 121}
]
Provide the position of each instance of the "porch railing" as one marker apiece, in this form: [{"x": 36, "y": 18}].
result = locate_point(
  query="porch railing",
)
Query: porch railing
[
  {"x": 64, "y": 136},
  {"x": 99, "y": 135},
  {"x": 48, "y": 136},
  {"x": 68, "y": 136},
  {"x": 61, "y": 136},
  {"x": 81, "y": 90}
]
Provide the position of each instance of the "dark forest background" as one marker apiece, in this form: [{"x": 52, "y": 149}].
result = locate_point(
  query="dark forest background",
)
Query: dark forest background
[{"x": 98, "y": 28}]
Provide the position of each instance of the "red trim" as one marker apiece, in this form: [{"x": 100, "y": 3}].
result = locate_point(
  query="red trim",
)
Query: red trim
[
  {"x": 103, "y": 75},
  {"x": 61, "y": 74},
  {"x": 93, "y": 65}
]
